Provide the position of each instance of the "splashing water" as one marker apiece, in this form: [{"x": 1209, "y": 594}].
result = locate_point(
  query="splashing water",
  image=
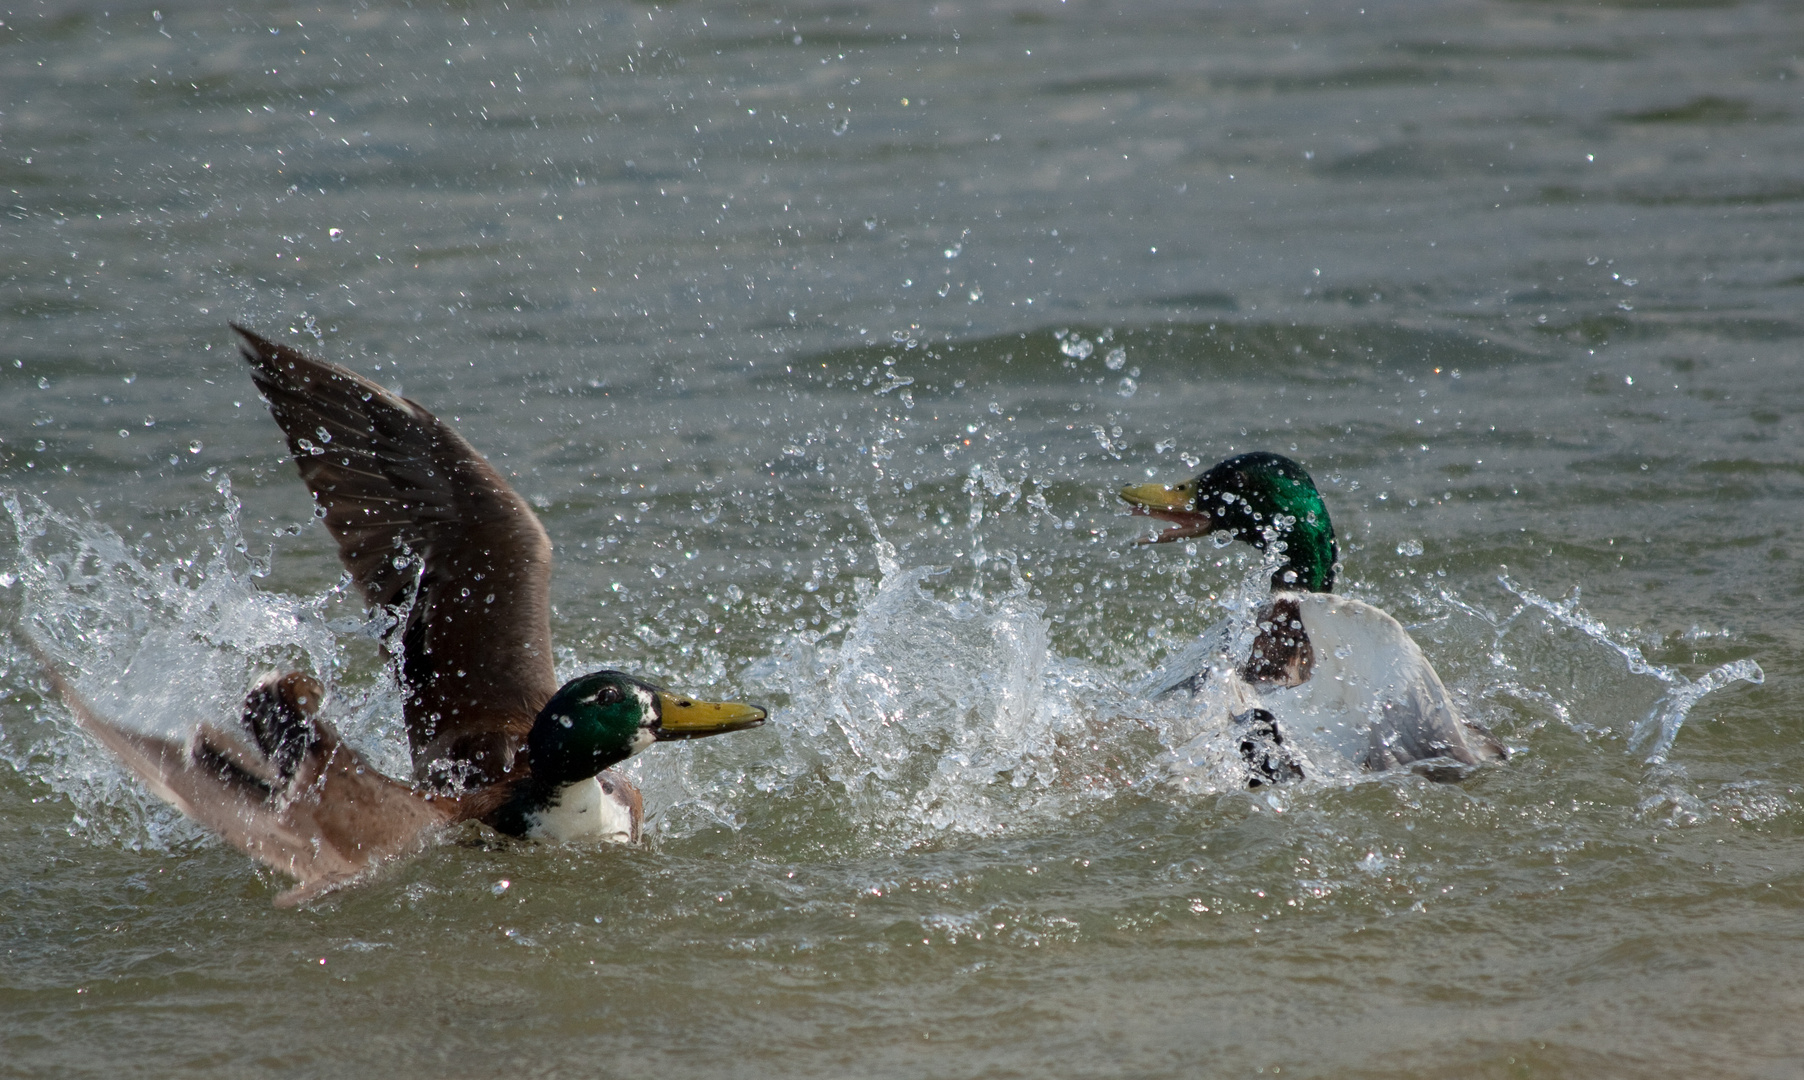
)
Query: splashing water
[
  {"x": 162, "y": 643},
  {"x": 1656, "y": 731},
  {"x": 933, "y": 716},
  {"x": 940, "y": 711}
]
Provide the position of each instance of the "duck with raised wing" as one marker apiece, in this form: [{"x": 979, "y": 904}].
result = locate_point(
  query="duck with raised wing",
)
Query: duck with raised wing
[
  {"x": 426, "y": 527},
  {"x": 1326, "y": 681}
]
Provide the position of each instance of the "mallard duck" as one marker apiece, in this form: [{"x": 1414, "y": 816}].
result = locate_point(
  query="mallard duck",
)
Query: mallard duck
[
  {"x": 1326, "y": 679},
  {"x": 428, "y": 528}
]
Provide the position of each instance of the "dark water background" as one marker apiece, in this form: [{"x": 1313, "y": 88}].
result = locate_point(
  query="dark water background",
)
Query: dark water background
[{"x": 819, "y": 334}]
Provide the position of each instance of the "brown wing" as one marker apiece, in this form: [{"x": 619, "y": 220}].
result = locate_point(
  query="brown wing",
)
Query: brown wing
[
  {"x": 409, "y": 501},
  {"x": 325, "y": 820}
]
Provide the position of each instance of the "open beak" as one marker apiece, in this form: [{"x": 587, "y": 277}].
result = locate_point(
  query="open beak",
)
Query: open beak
[
  {"x": 682, "y": 717},
  {"x": 1170, "y": 504}
]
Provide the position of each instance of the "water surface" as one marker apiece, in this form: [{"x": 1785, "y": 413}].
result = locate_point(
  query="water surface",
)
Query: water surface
[{"x": 819, "y": 335}]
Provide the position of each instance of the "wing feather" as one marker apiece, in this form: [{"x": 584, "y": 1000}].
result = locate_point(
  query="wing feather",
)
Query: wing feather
[
  {"x": 419, "y": 515},
  {"x": 327, "y": 824},
  {"x": 1368, "y": 667}
]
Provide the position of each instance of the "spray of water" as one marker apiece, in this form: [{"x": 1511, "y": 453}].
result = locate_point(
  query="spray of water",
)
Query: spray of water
[
  {"x": 939, "y": 711},
  {"x": 1655, "y": 732},
  {"x": 162, "y": 641}
]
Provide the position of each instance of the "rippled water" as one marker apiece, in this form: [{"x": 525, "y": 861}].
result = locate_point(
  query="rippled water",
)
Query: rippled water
[{"x": 819, "y": 336}]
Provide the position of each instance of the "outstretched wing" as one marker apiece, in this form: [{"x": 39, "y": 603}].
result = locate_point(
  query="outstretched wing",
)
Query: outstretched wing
[
  {"x": 1369, "y": 671},
  {"x": 324, "y": 817},
  {"x": 409, "y": 501}
]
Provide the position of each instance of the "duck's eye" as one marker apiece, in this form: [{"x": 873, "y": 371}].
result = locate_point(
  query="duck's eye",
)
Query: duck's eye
[{"x": 609, "y": 695}]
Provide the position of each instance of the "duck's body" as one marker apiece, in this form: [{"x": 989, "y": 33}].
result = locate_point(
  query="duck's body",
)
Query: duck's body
[
  {"x": 427, "y": 527},
  {"x": 1366, "y": 698},
  {"x": 1326, "y": 682}
]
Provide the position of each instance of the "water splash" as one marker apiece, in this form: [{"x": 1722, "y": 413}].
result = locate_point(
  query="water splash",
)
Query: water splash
[
  {"x": 937, "y": 710},
  {"x": 933, "y": 715},
  {"x": 1656, "y": 731},
  {"x": 946, "y": 711},
  {"x": 161, "y": 641}
]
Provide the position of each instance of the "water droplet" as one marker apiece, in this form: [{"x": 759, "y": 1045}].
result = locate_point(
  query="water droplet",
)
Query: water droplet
[
  {"x": 1116, "y": 359},
  {"x": 1410, "y": 548},
  {"x": 195, "y": 447},
  {"x": 1126, "y": 387}
]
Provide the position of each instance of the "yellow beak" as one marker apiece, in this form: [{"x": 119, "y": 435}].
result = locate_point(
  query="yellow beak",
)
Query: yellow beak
[
  {"x": 1169, "y": 503},
  {"x": 682, "y": 717},
  {"x": 1159, "y": 496}
]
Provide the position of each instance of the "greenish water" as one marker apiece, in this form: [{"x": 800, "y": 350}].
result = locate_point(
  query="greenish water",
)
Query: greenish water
[{"x": 819, "y": 336}]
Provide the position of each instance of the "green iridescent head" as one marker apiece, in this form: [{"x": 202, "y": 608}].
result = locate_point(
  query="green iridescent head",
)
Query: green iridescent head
[
  {"x": 1265, "y": 499},
  {"x": 605, "y": 717}
]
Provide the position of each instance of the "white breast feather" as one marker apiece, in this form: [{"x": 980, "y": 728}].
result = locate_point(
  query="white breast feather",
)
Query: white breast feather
[{"x": 585, "y": 812}]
